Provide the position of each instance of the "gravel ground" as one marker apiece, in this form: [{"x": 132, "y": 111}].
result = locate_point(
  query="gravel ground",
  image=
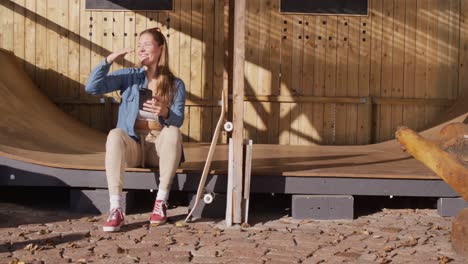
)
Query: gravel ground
[{"x": 39, "y": 235}]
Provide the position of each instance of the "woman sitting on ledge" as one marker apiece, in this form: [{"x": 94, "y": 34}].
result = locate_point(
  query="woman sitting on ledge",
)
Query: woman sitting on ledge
[{"x": 147, "y": 133}]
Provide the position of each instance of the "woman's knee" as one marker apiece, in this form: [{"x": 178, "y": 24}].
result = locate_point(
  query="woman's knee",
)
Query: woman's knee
[
  {"x": 172, "y": 135},
  {"x": 115, "y": 136}
]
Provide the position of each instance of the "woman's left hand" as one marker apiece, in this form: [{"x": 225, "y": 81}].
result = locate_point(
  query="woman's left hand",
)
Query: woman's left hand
[{"x": 157, "y": 107}]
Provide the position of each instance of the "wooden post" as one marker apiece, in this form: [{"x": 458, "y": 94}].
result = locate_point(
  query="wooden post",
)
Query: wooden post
[{"x": 238, "y": 108}]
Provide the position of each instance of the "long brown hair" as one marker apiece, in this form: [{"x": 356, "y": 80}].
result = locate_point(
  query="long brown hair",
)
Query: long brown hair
[{"x": 164, "y": 76}]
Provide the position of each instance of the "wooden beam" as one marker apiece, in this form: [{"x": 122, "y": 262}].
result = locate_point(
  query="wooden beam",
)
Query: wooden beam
[{"x": 238, "y": 107}]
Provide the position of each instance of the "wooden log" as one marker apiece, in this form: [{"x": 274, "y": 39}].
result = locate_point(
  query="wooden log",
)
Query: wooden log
[
  {"x": 445, "y": 165},
  {"x": 453, "y": 139},
  {"x": 460, "y": 233}
]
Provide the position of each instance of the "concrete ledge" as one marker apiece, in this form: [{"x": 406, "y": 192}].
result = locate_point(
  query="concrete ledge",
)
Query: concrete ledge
[
  {"x": 93, "y": 201},
  {"x": 450, "y": 206},
  {"x": 323, "y": 207}
]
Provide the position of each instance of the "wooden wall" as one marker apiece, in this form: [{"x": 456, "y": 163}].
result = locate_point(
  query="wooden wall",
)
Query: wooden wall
[
  {"x": 407, "y": 57},
  {"x": 309, "y": 79}
]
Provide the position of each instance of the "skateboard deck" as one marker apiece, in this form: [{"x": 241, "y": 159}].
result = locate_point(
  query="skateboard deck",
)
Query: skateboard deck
[{"x": 214, "y": 141}]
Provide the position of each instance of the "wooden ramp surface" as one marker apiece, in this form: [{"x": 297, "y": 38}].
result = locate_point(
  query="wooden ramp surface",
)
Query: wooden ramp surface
[{"x": 34, "y": 130}]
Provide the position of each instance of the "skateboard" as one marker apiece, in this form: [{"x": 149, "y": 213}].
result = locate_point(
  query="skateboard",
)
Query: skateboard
[{"x": 201, "y": 186}]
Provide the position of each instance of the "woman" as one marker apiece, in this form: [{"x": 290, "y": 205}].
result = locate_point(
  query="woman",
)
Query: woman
[{"x": 146, "y": 133}]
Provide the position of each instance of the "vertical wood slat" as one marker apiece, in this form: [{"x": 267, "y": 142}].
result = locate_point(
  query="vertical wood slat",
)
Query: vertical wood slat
[
  {"x": 330, "y": 80},
  {"x": 463, "y": 56},
  {"x": 308, "y": 130},
  {"x": 364, "y": 125},
  {"x": 264, "y": 71},
  {"x": 52, "y": 41},
  {"x": 251, "y": 68},
  {"x": 409, "y": 111},
  {"x": 344, "y": 41},
  {"x": 297, "y": 73},
  {"x": 421, "y": 59},
  {"x": 73, "y": 38},
  {"x": 19, "y": 30},
  {"x": 453, "y": 46},
  {"x": 185, "y": 59},
  {"x": 196, "y": 48},
  {"x": 63, "y": 88},
  {"x": 387, "y": 69},
  {"x": 208, "y": 121},
  {"x": 353, "y": 79},
  {"x": 431, "y": 59},
  {"x": 275, "y": 62},
  {"x": 7, "y": 25},
  {"x": 218, "y": 61},
  {"x": 30, "y": 38},
  {"x": 398, "y": 63},
  {"x": 376, "y": 61},
  {"x": 285, "y": 79}
]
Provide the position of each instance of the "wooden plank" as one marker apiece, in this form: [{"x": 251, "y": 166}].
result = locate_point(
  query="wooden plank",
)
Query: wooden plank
[
  {"x": 353, "y": 79},
  {"x": 409, "y": 111},
  {"x": 107, "y": 48},
  {"x": 398, "y": 63},
  {"x": 63, "y": 88},
  {"x": 196, "y": 57},
  {"x": 251, "y": 67},
  {"x": 97, "y": 33},
  {"x": 220, "y": 78},
  {"x": 19, "y": 30},
  {"x": 118, "y": 39},
  {"x": 73, "y": 67},
  {"x": 85, "y": 50},
  {"x": 364, "y": 122},
  {"x": 184, "y": 58},
  {"x": 376, "y": 60},
  {"x": 273, "y": 109},
  {"x": 463, "y": 55},
  {"x": 421, "y": 56},
  {"x": 238, "y": 105},
  {"x": 387, "y": 70},
  {"x": 330, "y": 80},
  {"x": 296, "y": 110},
  {"x": 186, "y": 125},
  {"x": 30, "y": 38},
  {"x": 308, "y": 130},
  {"x": 129, "y": 35},
  {"x": 343, "y": 44},
  {"x": 52, "y": 48},
  {"x": 7, "y": 26},
  {"x": 453, "y": 48},
  {"x": 173, "y": 38},
  {"x": 264, "y": 79},
  {"x": 297, "y": 73},
  {"x": 250, "y": 121},
  {"x": 319, "y": 73},
  {"x": 208, "y": 120},
  {"x": 285, "y": 79},
  {"x": 140, "y": 25},
  {"x": 431, "y": 60}
]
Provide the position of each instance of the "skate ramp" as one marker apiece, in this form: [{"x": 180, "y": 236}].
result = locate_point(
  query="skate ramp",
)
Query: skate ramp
[{"x": 36, "y": 131}]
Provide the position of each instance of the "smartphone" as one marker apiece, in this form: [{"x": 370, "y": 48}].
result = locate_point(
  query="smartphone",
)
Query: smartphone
[{"x": 145, "y": 95}]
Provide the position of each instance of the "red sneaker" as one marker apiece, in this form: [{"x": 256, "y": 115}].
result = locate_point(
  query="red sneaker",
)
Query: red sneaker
[
  {"x": 114, "y": 221},
  {"x": 159, "y": 213}
]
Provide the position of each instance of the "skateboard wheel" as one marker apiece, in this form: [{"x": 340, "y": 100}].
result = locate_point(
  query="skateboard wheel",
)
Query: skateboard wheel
[
  {"x": 208, "y": 198},
  {"x": 228, "y": 126}
]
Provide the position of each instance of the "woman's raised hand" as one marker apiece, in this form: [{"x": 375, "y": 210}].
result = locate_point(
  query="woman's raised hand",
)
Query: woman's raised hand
[{"x": 118, "y": 54}]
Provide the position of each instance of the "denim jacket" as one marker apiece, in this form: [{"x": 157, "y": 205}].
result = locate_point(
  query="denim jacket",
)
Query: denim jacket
[{"x": 129, "y": 81}]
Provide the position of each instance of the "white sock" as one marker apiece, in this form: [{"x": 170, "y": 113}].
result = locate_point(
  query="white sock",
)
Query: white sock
[
  {"x": 162, "y": 195},
  {"x": 115, "y": 201}
]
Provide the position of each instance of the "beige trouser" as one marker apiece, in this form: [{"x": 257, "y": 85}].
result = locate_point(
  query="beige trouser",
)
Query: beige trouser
[{"x": 157, "y": 149}]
